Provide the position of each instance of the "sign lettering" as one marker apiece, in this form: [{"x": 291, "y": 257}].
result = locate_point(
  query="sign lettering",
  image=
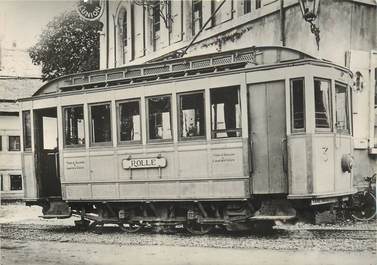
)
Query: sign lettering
[
  {"x": 144, "y": 163},
  {"x": 90, "y": 9}
]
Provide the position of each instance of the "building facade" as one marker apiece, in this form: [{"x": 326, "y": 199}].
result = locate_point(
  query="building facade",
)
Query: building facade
[
  {"x": 140, "y": 31},
  {"x": 18, "y": 79}
]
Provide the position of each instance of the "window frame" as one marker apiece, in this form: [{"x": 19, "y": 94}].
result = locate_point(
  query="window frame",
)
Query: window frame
[
  {"x": 349, "y": 111},
  {"x": 19, "y": 143},
  {"x": 294, "y": 130},
  {"x": 331, "y": 122},
  {"x": 24, "y": 134},
  {"x": 63, "y": 116},
  {"x": 94, "y": 144},
  {"x": 200, "y": 18},
  {"x": 247, "y": 3},
  {"x": 194, "y": 138},
  {"x": 117, "y": 105},
  {"x": 225, "y": 130},
  {"x": 147, "y": 119},
  {"x": 10, "y": 182}
]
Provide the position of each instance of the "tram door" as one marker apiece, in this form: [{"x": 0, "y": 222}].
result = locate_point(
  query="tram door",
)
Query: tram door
[
  {"x": 268, "y": 137},
  {"x": 47, "y": 154}
]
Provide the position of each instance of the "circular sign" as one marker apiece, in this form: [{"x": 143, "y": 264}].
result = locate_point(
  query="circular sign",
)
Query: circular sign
[{"x": 90, "y": 9}]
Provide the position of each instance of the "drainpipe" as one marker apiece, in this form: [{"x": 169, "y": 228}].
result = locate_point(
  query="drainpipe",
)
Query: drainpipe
[{"x": 282, "y": 23}]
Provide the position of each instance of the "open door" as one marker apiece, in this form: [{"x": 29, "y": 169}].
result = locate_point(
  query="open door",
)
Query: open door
[{"x": 47, "y": 153}]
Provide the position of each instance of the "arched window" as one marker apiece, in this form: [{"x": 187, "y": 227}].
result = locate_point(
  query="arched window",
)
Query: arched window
[{"x": 124, "y": 36}]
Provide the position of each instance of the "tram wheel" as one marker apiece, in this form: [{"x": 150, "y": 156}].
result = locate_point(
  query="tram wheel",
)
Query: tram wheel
[
  {"x": 198, "y": 229},
  {"x": 130, "y": 228}
]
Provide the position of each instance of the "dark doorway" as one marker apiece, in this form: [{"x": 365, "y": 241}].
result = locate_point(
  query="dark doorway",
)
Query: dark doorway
[{"x": 47, "y": 153}]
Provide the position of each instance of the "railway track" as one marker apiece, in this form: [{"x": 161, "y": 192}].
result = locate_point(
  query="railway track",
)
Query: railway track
[{"x": 280, "y": 239}]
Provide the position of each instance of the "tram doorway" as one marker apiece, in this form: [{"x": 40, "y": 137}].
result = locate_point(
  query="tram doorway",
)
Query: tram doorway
[
  {"x": 268, "y": 135},
  {"x": 47, "y": 153}
]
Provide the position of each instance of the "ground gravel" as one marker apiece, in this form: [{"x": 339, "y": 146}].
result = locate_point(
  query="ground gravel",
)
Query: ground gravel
[{"x": 22, "y": 223}]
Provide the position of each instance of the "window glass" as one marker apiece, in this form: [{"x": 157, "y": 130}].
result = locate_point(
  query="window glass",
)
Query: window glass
[
  {"x": 298, "y": 104},
  {"x": 197, "y": 16},
  {"x": 258, "y": 4},
  {"x": 74, "y": 126},
  {"x": 14, "y": 143},
  {"x": 1, "y": 182},
  {"x": 100, "y": 123},
  {"x": 1, "y": 143},
  {"x": 191, "y": 115},
  {"x": 124, "y": 27},
  {"x": 159, "y": 110},
  {"x": 129, "y": 121},
  {"x": 15, "y": 182},
  {"x": 322, "y": 103},
  {"x": 225, "y": 112},
  {"x": 342, "y": 109},
  {"x": 26, "y": 124},
  {"x": 246, "y": 6}
]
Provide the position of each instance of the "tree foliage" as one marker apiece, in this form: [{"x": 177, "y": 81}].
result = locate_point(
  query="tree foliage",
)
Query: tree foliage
[{"x": 67, "y": 45}]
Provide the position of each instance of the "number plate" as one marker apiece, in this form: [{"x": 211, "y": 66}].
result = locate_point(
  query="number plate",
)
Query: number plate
[{"x": 144, "y": 163}]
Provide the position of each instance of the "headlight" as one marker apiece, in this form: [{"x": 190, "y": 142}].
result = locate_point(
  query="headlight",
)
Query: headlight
[{"x": 346, "y": 162}]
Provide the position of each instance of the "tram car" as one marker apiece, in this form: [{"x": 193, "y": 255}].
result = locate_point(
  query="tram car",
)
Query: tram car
[{"x": 233, "y": 138}]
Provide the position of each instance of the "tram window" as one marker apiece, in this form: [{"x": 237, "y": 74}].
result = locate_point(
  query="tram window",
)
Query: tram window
[
  {"x": 342, "y": 109},
  {"x": 74, "y": 126},
  {"x": 26, "y": 124},
  {"x": 15, "y": 182},
  {"x": 191, "y": 115},
  {"x": 159, "y": 110},
  {"x": 297, "y": 105},
  {"x": 129, "y": 121},
  {"x": 14, "y": 143},
  {"x": 100, "y": 123},
  {"x": 225, "y": 112},
  {"x": 322, "y": 103}
]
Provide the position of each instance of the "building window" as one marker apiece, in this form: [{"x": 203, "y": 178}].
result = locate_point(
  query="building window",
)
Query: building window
[
  {"x": 297, "y": 105},
  {"x": 129, "y": 121},
  {"x": 73, "y": 126},
  {"x": 322, "y": 103},
  {"x": 14, "y": 143},
  {"x": 191, "y": 115},
  {"x": 26, "y": 125},
  {"x": 246, "y": 6},
  {"x": 100, "y": 116},
  {"x": 156, "y": 23},
  {"x": 225, "y": 112},
  {"x": 197, "y": 16},
  {"x": 15, "y": 182},
  {"x": 1, "y": 182},
  {"x": 124, "y": 35},
  {"x": 342, "y": 109},
  {"x": 1, "y": 143},
  {"x": 159, "y": 113},
  {"x": 258, "y": 4}
]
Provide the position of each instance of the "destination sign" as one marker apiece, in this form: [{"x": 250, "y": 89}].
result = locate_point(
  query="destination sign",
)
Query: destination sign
[{"x": 144, "y": 163}]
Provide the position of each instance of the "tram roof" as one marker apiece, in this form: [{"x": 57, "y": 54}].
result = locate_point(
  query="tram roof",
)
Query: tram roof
[{"x": 252, "y": 57}]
